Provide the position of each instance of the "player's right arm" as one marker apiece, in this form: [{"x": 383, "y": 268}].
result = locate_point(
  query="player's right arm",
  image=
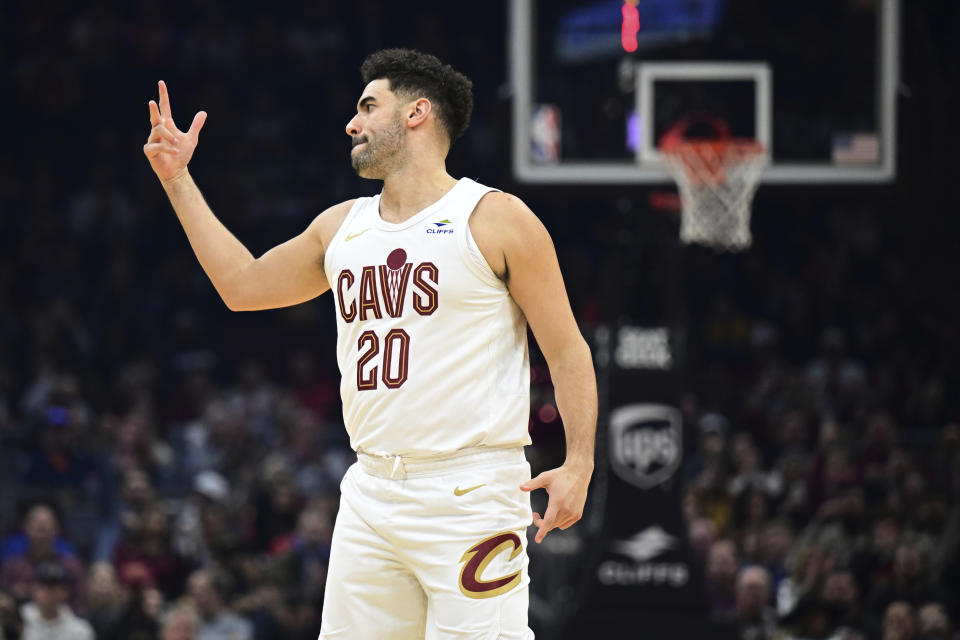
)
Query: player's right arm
[{"x": 288, "y": 274}]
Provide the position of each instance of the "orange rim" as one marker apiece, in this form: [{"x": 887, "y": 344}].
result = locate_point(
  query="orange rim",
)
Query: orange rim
[{"x": 713, "y": 156}]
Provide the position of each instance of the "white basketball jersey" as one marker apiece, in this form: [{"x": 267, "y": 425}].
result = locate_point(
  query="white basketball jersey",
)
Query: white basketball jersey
[{"x": 431, "y": 347}]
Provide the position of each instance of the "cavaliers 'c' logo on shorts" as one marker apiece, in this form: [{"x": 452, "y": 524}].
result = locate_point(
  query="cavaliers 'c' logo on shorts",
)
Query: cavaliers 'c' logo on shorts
[{"x": 476, "y": 559}]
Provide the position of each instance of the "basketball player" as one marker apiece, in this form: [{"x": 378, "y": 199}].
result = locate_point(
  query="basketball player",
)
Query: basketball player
[{"x": 434, "y": 281}]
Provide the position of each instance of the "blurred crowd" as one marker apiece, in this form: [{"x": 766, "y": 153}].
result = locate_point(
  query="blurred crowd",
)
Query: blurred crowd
[
  {"x": 822, "y": 486},
  {"x": 169, "y": 469}
]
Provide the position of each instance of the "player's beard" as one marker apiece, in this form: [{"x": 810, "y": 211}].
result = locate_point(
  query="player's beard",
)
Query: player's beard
[{"x": 380, "y": 152}]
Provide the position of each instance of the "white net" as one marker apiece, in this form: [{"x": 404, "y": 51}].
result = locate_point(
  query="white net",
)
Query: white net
[{"x": 717, "y": 180}]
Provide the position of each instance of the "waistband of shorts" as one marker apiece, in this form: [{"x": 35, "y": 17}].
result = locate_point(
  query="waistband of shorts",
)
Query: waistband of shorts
[{"x": 400, "y": 467}]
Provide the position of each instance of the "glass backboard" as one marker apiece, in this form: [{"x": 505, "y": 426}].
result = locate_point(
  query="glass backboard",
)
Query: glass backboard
[{"x": 597, "y": 83}]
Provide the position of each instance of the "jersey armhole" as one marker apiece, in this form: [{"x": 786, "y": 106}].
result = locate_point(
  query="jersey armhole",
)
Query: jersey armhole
[
  {"x": 335, "y": 241},
  {"x": 472, "y": 255}
]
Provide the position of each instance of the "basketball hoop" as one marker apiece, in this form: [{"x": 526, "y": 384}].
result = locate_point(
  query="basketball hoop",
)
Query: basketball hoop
[{"x": 717, "y": 178}]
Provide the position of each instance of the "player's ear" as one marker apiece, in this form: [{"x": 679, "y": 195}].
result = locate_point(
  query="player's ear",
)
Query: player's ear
[{"x": 418, "y": 111}]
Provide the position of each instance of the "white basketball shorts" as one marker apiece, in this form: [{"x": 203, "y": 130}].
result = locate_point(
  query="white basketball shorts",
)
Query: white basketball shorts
[{"x": 430, "y": 550}]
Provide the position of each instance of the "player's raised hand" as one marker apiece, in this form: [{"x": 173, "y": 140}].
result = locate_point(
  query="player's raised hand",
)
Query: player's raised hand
[
  {"x": 567, "y": 489},
  {"x": 168, "y": 149}
]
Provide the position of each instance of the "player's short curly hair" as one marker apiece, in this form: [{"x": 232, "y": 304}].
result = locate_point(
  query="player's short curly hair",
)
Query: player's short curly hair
[{"x": 415, "y": 73}]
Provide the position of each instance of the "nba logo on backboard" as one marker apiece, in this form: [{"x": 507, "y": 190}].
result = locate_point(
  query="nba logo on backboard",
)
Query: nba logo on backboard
[
  {"x": 545, "y": 134},
  {"x": 645, "y": 443}
]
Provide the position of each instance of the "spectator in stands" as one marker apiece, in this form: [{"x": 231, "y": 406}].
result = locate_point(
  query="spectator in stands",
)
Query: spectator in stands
[
  {"x": 912, "y": 583},
  {"x": 836, "y": 379},
  {"x": 61, "y": 459},
  {"x": 11, "y": 626},
  {"x": 713, "y": 430},
  {"x": 180, "y": 623},
  {"x": 106, "y": 600},
  {"x": 126, "y": 513},
  {"x": 224, "y": 543},
  {"x": 151, "y": 546},
  {"x": 278, "y": 506},
  {"x": 257, "y": 397},
  {"x": 832, "y": 476},
  {"x": 748, "y": 472},
  {"x": 721, "y": 576},
  {"x": 873, "y": 561},
  {"x": 793, "y": 467},
  {"x": 879, "y": 444},
  {"x": 841, "y": 593},
  {"x": 210, "y": 591},
  {"x": 702, "y": 533},
  {"x": 218, "y": 441},
  {"x": 756, "y": 619},
  {"x": 47, "y": 614},
  {"x": 776, "y": 540},
  {"x": 751, "y": 511},
  {"x": 933, "y": 622},
  {"x": 898, "y": 622},
  {"x": 710, "y": 495},
  {"x": 18, "y": 571},
  {"x": 143, "y": 605},
  {"x": 313, "y": 390},
  {"x": 316, "y": 468},
  {"x": 134, "y": 444},
  {"x": 18, "y": 543},
  {"x": 303, "y": 562},
  {"x": 201, "y": 527},
  {"x": 813, "y": 558},
  {"x": 815, "y": 619}
]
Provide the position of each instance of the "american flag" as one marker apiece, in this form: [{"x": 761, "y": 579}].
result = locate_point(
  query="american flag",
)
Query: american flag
[{"x": 856, "y": 148}]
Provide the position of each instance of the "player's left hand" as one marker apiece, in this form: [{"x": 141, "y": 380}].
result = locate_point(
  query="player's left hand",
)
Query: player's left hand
[{"x": 567, "y": 488}]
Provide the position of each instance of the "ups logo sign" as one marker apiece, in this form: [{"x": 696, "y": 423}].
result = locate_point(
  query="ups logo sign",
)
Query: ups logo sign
[{"x": 645, "y": 443}]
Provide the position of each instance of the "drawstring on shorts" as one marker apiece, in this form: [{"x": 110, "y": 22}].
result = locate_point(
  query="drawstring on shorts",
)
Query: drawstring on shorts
[{"x": 397, "y": 467}]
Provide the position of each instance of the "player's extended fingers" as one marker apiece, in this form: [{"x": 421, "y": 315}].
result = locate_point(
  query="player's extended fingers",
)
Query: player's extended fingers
[
  {"x": 549, "y": 522},
  {"x": 197, "y": 124},
  {"x": 152, "y": 149},
  {"x": 542, "y": 530},
  {"x": 154, "y": 113},
  {"x": 541, "y": 481},
  {"x": 160, "y": 132},
  {"x": 565, "y": 516},
  {"x": 164, "y": 100}
]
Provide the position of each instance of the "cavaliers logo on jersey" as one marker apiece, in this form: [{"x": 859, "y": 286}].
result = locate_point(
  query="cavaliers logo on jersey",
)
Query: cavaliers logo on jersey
[
  {"x": 476, "y": 559},
  {"x": 383, "y": 289}
]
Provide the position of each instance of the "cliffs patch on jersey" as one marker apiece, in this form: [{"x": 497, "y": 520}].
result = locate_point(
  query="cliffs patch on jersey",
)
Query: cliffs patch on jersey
[{"x": 383, "y": 289}]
